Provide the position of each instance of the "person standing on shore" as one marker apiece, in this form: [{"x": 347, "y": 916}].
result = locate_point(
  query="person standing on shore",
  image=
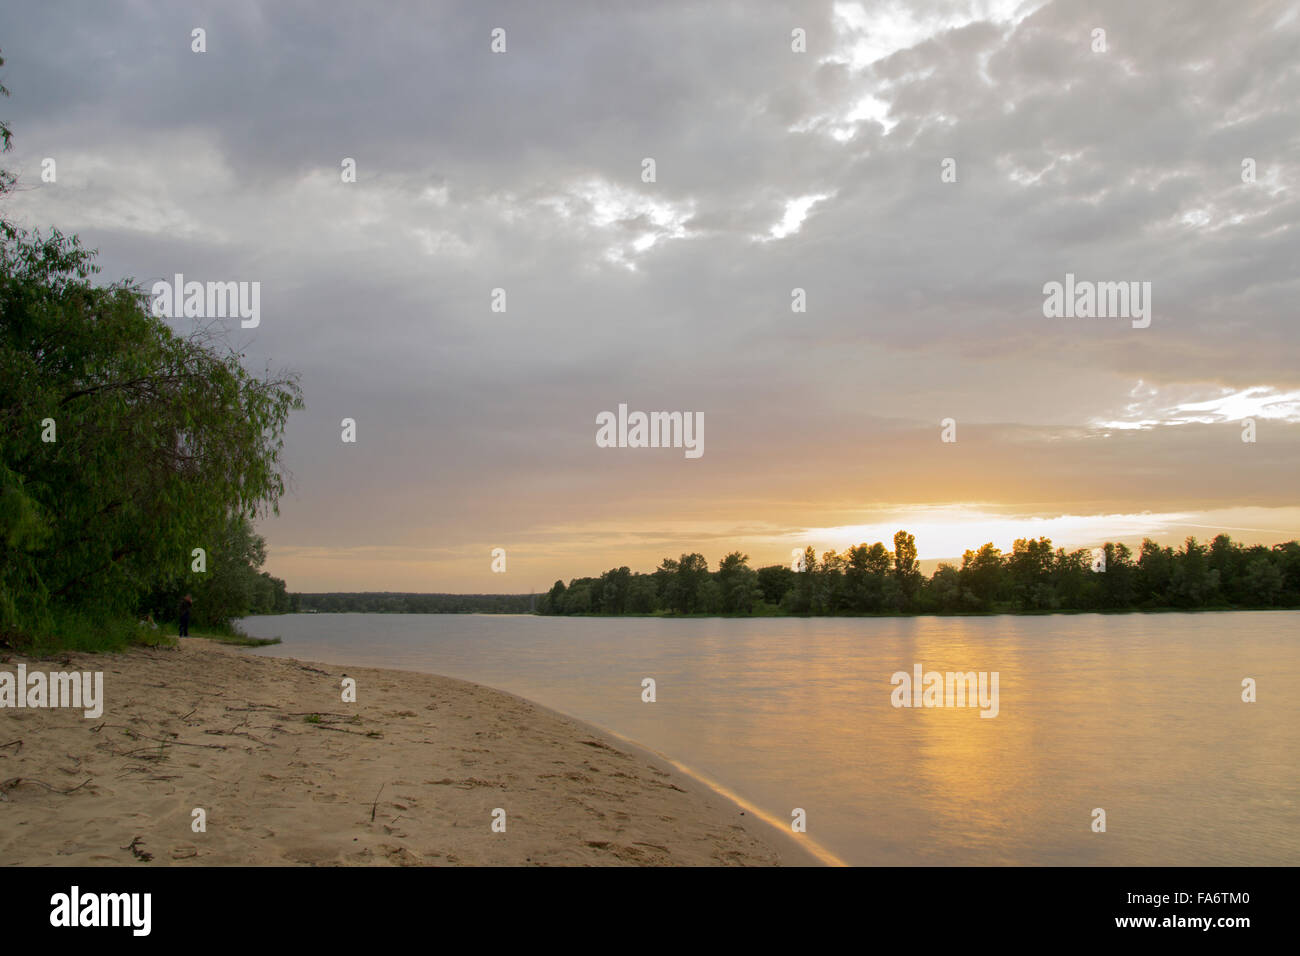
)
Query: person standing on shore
[{"x": 186, "y": 603}]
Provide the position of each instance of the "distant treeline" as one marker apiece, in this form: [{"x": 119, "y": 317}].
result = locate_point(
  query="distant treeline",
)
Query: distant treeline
[
  {"x": 388, "y": 602},
  {"x": 872, "y": 579}
]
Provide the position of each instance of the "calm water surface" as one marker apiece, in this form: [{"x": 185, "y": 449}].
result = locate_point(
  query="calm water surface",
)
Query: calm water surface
[{"x": 1140, "y": 715}]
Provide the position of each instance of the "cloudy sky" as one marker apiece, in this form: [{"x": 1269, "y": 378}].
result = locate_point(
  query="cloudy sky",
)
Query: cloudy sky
[{"x": 774, "y": 170}]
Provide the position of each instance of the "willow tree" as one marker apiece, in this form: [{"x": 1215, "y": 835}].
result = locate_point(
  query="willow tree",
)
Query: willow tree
[{"x": 124, "y": 446}]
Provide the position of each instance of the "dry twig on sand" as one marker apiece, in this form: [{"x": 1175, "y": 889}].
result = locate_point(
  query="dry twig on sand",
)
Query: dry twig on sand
[{"x": 13, "y": 782}]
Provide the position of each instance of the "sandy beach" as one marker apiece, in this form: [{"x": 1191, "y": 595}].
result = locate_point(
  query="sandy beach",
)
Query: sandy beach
[{"x": 288, "y": 774}]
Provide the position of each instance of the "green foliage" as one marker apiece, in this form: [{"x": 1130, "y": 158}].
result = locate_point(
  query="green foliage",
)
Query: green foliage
[
  {"x": 159, "y": 441},
  {"x": 231, "y": 587},
  {"x": 123, "y": 445},
  {"x": 74, "y": 630},
  {"x": 774, "y": 581},
  {"x": 737, "y": 584},
  {"x": 870, "y": 579},
  {"x": 389, "y": 602}
]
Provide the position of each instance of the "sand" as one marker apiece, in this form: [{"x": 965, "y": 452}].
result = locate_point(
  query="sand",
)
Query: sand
[{"x": 410, "y": 774}]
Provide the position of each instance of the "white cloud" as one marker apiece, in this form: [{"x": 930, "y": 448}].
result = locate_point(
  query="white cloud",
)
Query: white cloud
[
  {"x": 1150, "y": 410},
  {"x": 796, "y": 211}
]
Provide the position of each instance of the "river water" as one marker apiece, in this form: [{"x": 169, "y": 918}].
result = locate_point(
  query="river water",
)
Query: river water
[{"x": 1140, "y": 716}]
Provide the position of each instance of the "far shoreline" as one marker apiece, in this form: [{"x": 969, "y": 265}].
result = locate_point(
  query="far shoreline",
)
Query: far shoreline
[{"x": 1107, "y": 612}]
